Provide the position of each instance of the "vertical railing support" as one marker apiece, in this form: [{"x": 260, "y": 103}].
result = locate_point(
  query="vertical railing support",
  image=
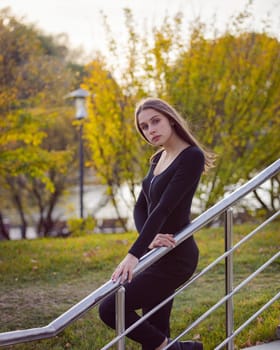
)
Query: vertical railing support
[
  {"x": 120, "y": 318},
  {"x": 81, "y": 179},
  {"x": 229, "y": 276}
]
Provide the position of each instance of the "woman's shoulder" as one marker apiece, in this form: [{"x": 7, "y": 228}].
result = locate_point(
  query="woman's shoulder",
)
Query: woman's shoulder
[
  {"x": 193, "y": 151},
  {"x": 193, "y": 155}
]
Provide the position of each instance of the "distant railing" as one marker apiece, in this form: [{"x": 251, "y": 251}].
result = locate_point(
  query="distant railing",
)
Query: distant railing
[{"x": 224, "y": 206}]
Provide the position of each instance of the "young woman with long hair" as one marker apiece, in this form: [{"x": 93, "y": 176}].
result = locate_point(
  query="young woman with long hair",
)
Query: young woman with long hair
[{"x": 162, "y": 210}]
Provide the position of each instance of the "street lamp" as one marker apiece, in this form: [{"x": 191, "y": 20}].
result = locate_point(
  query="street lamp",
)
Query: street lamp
[{"x": 79, "y": 96}]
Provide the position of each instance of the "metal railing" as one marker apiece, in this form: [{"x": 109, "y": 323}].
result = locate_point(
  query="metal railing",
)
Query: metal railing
[{"x": 93, "y": 299}]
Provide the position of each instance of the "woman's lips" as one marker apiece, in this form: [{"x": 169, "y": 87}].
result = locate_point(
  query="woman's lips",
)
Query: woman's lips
[{"x": 155, "y": 138}]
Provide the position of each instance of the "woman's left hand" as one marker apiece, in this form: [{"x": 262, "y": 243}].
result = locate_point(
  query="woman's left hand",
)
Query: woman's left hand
[
  {"x": 125, "y": 269},
  {"x": 163, "y": 240}
]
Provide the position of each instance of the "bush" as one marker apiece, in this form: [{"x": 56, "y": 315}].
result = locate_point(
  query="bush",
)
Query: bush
[{"x": 81, "y": 227}]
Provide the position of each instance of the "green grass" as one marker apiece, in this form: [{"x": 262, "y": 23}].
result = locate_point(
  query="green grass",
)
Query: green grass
[{"x": 43, "y": 278}]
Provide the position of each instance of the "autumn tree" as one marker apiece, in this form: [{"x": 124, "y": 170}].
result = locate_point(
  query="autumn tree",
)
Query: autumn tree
[
  {"x": 225, "y": 86},
  {"x": 20, "y": 154},
  {"x": 110, "y": 134},
  {"x": 34, "y": 78},
  {"x": 229, "y": 89}
]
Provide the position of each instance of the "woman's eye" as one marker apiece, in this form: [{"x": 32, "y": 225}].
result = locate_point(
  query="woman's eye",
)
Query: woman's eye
[
  {"x": 156, "y": 121},
  {"x": 144, "y": 127}
]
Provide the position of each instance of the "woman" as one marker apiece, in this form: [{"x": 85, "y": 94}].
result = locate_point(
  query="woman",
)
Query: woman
[{"x": 162, "y": 209}]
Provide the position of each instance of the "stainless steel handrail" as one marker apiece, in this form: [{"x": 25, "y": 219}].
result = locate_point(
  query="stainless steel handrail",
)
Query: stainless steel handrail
[
  {"x": 196, "y": 277},
  {"x": 252, "y": 318},
  {"x": 56, "y": 326}
]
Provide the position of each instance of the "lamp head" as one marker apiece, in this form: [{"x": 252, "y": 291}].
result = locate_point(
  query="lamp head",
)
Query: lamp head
[{"x": 80, "y": 96}]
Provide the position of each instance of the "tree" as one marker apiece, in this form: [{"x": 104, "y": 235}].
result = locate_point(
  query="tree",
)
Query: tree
[
  {"x": 20, "y": 153},
  {"x": 229, "y": 87},
  {"x": 61, "y": 165},
  {"x": 34, "y": 78},
  {"x": 110, "y": 134}
]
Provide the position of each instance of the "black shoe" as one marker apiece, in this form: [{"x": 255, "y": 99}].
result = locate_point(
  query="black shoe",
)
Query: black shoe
[{"x": 186, "y": 345}]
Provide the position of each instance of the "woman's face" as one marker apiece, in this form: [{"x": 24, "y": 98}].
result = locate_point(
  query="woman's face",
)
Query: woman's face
[{"x": 155, "y": 126}]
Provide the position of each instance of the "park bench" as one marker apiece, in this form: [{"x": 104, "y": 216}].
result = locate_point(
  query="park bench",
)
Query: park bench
[{"x": 110, "y": 225}]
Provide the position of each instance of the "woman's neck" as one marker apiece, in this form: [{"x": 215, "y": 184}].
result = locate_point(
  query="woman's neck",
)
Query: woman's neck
[{"x": 174, "y": 146}]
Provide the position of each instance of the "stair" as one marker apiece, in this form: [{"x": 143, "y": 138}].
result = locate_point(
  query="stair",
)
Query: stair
[{"x": 275, "y": 345}]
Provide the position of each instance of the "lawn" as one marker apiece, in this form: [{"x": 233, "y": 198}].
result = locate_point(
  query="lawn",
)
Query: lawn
[{"x": 41, "y": 279}]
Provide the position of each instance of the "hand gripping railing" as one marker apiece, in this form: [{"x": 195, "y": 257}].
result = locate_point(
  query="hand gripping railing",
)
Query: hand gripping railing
[{"x": 56, "y": 326}]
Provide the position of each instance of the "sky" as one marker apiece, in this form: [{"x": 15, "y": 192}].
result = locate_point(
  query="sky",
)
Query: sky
[{"x": 81, "y": 20}]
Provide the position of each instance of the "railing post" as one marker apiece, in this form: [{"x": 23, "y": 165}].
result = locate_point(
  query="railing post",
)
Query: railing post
[
  {"x": 229, "y": 276},
  {"x": 120, "y": 320}
]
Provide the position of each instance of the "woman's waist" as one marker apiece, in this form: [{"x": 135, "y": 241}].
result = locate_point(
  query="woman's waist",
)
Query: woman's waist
[
  {"x": 174, "y": 226},
  {"x": 185, "y": 251},
  {"x": 179, "y": 261}
]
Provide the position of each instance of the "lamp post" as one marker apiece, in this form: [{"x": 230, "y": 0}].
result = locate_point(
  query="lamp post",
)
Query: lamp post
[{"x": 79, "y": 96}]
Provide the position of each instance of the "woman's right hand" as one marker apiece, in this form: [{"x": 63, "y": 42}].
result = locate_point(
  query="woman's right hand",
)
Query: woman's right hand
[
  {"x": 125, "y": 269},
  {"x": 162, "y": 240}
]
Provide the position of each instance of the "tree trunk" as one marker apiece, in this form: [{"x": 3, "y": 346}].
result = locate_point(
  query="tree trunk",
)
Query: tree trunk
[
  {"x": 22, "y": 216},
  {"x": 120, "y": 218},
  {"x": 4, "y": 231}
]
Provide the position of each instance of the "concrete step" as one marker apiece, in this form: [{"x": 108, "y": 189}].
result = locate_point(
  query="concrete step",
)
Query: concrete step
[{"x": 275, "y": 345}]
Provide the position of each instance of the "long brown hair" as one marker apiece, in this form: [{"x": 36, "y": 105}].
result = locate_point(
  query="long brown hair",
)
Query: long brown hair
[{"x": 180, "y": 125}]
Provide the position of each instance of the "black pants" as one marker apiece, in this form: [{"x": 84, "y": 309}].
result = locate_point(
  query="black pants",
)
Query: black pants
[{"x": 144, "y": 292}]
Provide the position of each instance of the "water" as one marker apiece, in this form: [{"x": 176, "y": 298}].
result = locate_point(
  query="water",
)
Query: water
[
  {"x": 96, "y": 204},
  {"x": 15, "y": 233}
]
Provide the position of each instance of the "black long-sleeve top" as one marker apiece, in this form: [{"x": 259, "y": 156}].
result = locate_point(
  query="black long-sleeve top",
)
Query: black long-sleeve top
[{"x": 164, "y": 203}]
